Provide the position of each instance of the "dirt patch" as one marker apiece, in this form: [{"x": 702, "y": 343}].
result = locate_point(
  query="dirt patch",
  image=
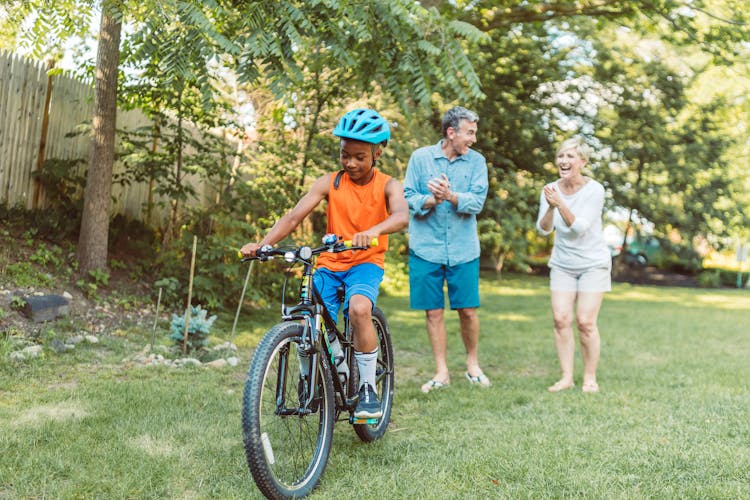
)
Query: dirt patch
[{"x": 54, "y": 413}]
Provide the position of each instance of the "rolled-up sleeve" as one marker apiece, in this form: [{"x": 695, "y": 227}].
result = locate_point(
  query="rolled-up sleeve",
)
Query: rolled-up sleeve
[
  {"x": 472, "y": 201},
  {"x": 414, "y": 197}
]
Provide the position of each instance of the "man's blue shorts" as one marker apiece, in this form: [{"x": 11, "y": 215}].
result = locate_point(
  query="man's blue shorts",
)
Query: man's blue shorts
[
  {"x": 362, "y": 279},
  {"x": 426, "y": 281}
]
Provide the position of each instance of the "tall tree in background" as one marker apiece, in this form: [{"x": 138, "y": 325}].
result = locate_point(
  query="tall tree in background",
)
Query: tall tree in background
[
  {"x": 92, "y": 242},
  {"x": 409, "y": 49}
]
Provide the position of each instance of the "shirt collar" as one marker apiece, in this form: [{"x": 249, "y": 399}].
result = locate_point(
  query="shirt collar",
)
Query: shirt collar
[{"x": 438, "y": 153}]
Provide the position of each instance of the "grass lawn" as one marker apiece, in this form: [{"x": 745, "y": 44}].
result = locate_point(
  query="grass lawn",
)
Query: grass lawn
[{"x": 671, "y": 419}]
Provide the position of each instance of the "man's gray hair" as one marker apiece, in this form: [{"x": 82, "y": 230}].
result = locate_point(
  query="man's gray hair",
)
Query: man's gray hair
[{"x": 453, "y": 117}]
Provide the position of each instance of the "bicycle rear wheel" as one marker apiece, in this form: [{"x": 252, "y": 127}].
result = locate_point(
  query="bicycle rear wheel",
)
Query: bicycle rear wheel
[
  {"x": 286, "y": 448},
  {"x": 384, "y": 376}
]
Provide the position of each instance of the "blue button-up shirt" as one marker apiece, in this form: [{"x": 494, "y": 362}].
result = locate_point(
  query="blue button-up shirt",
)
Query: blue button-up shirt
[{"x": 445, "y": 234}]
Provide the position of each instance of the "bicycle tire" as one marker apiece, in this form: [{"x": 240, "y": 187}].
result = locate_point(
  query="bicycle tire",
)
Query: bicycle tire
[
  {"x": 286, "y": 455},
  {"x": 385, "y": 379}
]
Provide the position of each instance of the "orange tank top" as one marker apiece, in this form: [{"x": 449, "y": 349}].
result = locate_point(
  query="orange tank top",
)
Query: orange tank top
[{"x": 352, "y": 209}]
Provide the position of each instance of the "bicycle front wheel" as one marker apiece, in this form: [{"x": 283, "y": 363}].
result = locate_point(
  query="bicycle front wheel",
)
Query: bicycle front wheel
[
  {"x": 287, "y": 444},
  {"x": 384, "y": 380}
]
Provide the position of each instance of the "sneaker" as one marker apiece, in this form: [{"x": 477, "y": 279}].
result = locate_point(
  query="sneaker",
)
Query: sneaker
[{"x": 369, "y": 404}]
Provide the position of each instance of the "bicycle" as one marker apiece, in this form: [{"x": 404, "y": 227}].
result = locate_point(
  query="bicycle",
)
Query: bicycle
[{"x": 291, "y": 397}]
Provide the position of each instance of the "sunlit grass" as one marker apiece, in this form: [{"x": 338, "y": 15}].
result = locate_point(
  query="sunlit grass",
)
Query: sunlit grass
[{"x": 670, "y": 420}]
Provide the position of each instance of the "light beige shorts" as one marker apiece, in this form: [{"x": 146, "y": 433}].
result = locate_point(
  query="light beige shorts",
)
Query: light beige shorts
[{"x": 598, "y": 279}]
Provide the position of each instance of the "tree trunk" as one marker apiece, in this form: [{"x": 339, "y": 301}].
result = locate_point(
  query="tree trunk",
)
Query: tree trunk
[{"x": 97, "y": 203}]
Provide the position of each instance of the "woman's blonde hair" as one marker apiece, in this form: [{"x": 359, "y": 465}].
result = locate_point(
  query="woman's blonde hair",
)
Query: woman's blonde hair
[{"x": 578, "y": 144}]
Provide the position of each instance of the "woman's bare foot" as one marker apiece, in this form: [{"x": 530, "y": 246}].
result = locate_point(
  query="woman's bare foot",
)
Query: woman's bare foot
[{"x": 561, "y": 385}]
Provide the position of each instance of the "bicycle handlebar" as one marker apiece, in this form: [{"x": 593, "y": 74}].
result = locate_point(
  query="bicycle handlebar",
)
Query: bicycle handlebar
[{"x": 305, "y": 252}]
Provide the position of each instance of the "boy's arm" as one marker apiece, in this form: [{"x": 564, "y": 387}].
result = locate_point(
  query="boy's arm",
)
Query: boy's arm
[
  {"x": 284, "y": 226},
  {"x": 397, "y": 220}
]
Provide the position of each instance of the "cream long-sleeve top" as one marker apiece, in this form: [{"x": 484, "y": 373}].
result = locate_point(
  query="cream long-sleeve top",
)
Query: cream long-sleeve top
[{"x": 581, "y": 245}]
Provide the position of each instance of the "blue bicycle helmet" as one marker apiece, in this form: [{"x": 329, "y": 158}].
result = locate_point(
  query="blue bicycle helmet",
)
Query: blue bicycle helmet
[{"x": 363, "y": 125}]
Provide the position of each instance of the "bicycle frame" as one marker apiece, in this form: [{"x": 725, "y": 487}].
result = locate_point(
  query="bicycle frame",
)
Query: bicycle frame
[
  {"x": 287, "y": 447},
  {"x": 309, "y": 308}
]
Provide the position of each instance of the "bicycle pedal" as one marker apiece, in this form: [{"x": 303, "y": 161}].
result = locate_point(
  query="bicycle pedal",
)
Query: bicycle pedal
[{"x": 365, "y": 421}]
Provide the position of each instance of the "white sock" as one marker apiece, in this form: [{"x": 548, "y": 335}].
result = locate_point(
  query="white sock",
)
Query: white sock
[{"x": 367, "y": 363}]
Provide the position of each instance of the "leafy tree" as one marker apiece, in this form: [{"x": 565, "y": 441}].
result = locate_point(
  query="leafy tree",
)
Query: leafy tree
[
  {"x": 558, "y": 68},
  {"x": 411, "y": 42}
]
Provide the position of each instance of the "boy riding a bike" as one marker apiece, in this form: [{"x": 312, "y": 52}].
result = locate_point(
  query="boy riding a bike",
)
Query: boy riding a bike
[{"x": 363, "y": 204}]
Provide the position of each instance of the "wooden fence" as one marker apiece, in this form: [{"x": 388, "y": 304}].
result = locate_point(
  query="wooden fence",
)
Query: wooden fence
[{"x": 37, "y": 111}]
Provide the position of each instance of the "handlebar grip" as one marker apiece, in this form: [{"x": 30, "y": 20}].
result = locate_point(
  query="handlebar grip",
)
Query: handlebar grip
[{"x": 373, "y": 242}]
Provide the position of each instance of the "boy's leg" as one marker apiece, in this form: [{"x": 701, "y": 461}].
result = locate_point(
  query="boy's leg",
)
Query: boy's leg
[{"x": 362, "y": 288}]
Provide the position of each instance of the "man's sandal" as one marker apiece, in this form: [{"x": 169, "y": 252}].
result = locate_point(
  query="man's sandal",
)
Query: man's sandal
[
  {"x": 434, "y": 385},
  {"x": 480, "y": 379}
]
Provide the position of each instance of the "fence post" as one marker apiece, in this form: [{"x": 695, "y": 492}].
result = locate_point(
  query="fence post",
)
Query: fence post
[{"x": 43, "y": 135}]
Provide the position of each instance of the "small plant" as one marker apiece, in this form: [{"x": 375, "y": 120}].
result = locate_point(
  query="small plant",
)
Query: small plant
[
  {"x": 199, "y": 328},
  {"x": 17, "y": 302},
  {"x": 117, "y": 264},
  {"x": 29, "y": 236},
  {"x": 99, "y": 277},
  {"x": 90, "y": 287},
  {"x": 44, "y": 256}
]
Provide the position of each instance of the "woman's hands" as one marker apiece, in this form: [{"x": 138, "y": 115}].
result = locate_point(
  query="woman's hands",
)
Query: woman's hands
[{"x": 552, "y": 195}]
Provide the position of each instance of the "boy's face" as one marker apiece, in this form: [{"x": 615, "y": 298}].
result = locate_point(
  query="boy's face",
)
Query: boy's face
[{"x": 357, "y": 158}]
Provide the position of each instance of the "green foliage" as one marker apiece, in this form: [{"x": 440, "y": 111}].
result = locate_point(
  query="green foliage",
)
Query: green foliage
[
  {"x": 170, "y": 291},
  {"x": 716, "y": 278},
  {"x": 45, "y": 255},
  {"x": 63, "y": 184},
  {"x": 199, "y": 328},
  {"x": 95, "y": 280},
  {"x": 639, "y": 80},
  {"x": 26, "y": 275},
  {"x": 99, "y": 277},
  {"x": 17, "y": 302}
]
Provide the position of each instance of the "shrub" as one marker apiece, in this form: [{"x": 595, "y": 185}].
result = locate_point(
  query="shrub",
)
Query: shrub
[
  {"x": 716, "y": 278},
  {"x": 709, "y": 279},
  {"x": 199, "y": 328}
]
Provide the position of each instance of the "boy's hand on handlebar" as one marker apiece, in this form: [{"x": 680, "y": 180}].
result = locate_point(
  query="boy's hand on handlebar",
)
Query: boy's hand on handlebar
[
  {"x": 249, "y": 249},
  {"x": 364, "y": 239}
]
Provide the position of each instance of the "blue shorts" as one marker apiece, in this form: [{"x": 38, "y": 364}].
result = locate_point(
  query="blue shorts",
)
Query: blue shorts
[
  {"x": 426, "y": 281},
  {"x": 362, "y": 279}
]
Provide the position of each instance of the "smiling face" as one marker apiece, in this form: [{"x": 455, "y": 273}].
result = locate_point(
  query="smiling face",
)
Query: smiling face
[
  {"x": 358, "y": 159},
  {"x": 458, "y": 141},
  {"x": 569, "y": 163}
]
